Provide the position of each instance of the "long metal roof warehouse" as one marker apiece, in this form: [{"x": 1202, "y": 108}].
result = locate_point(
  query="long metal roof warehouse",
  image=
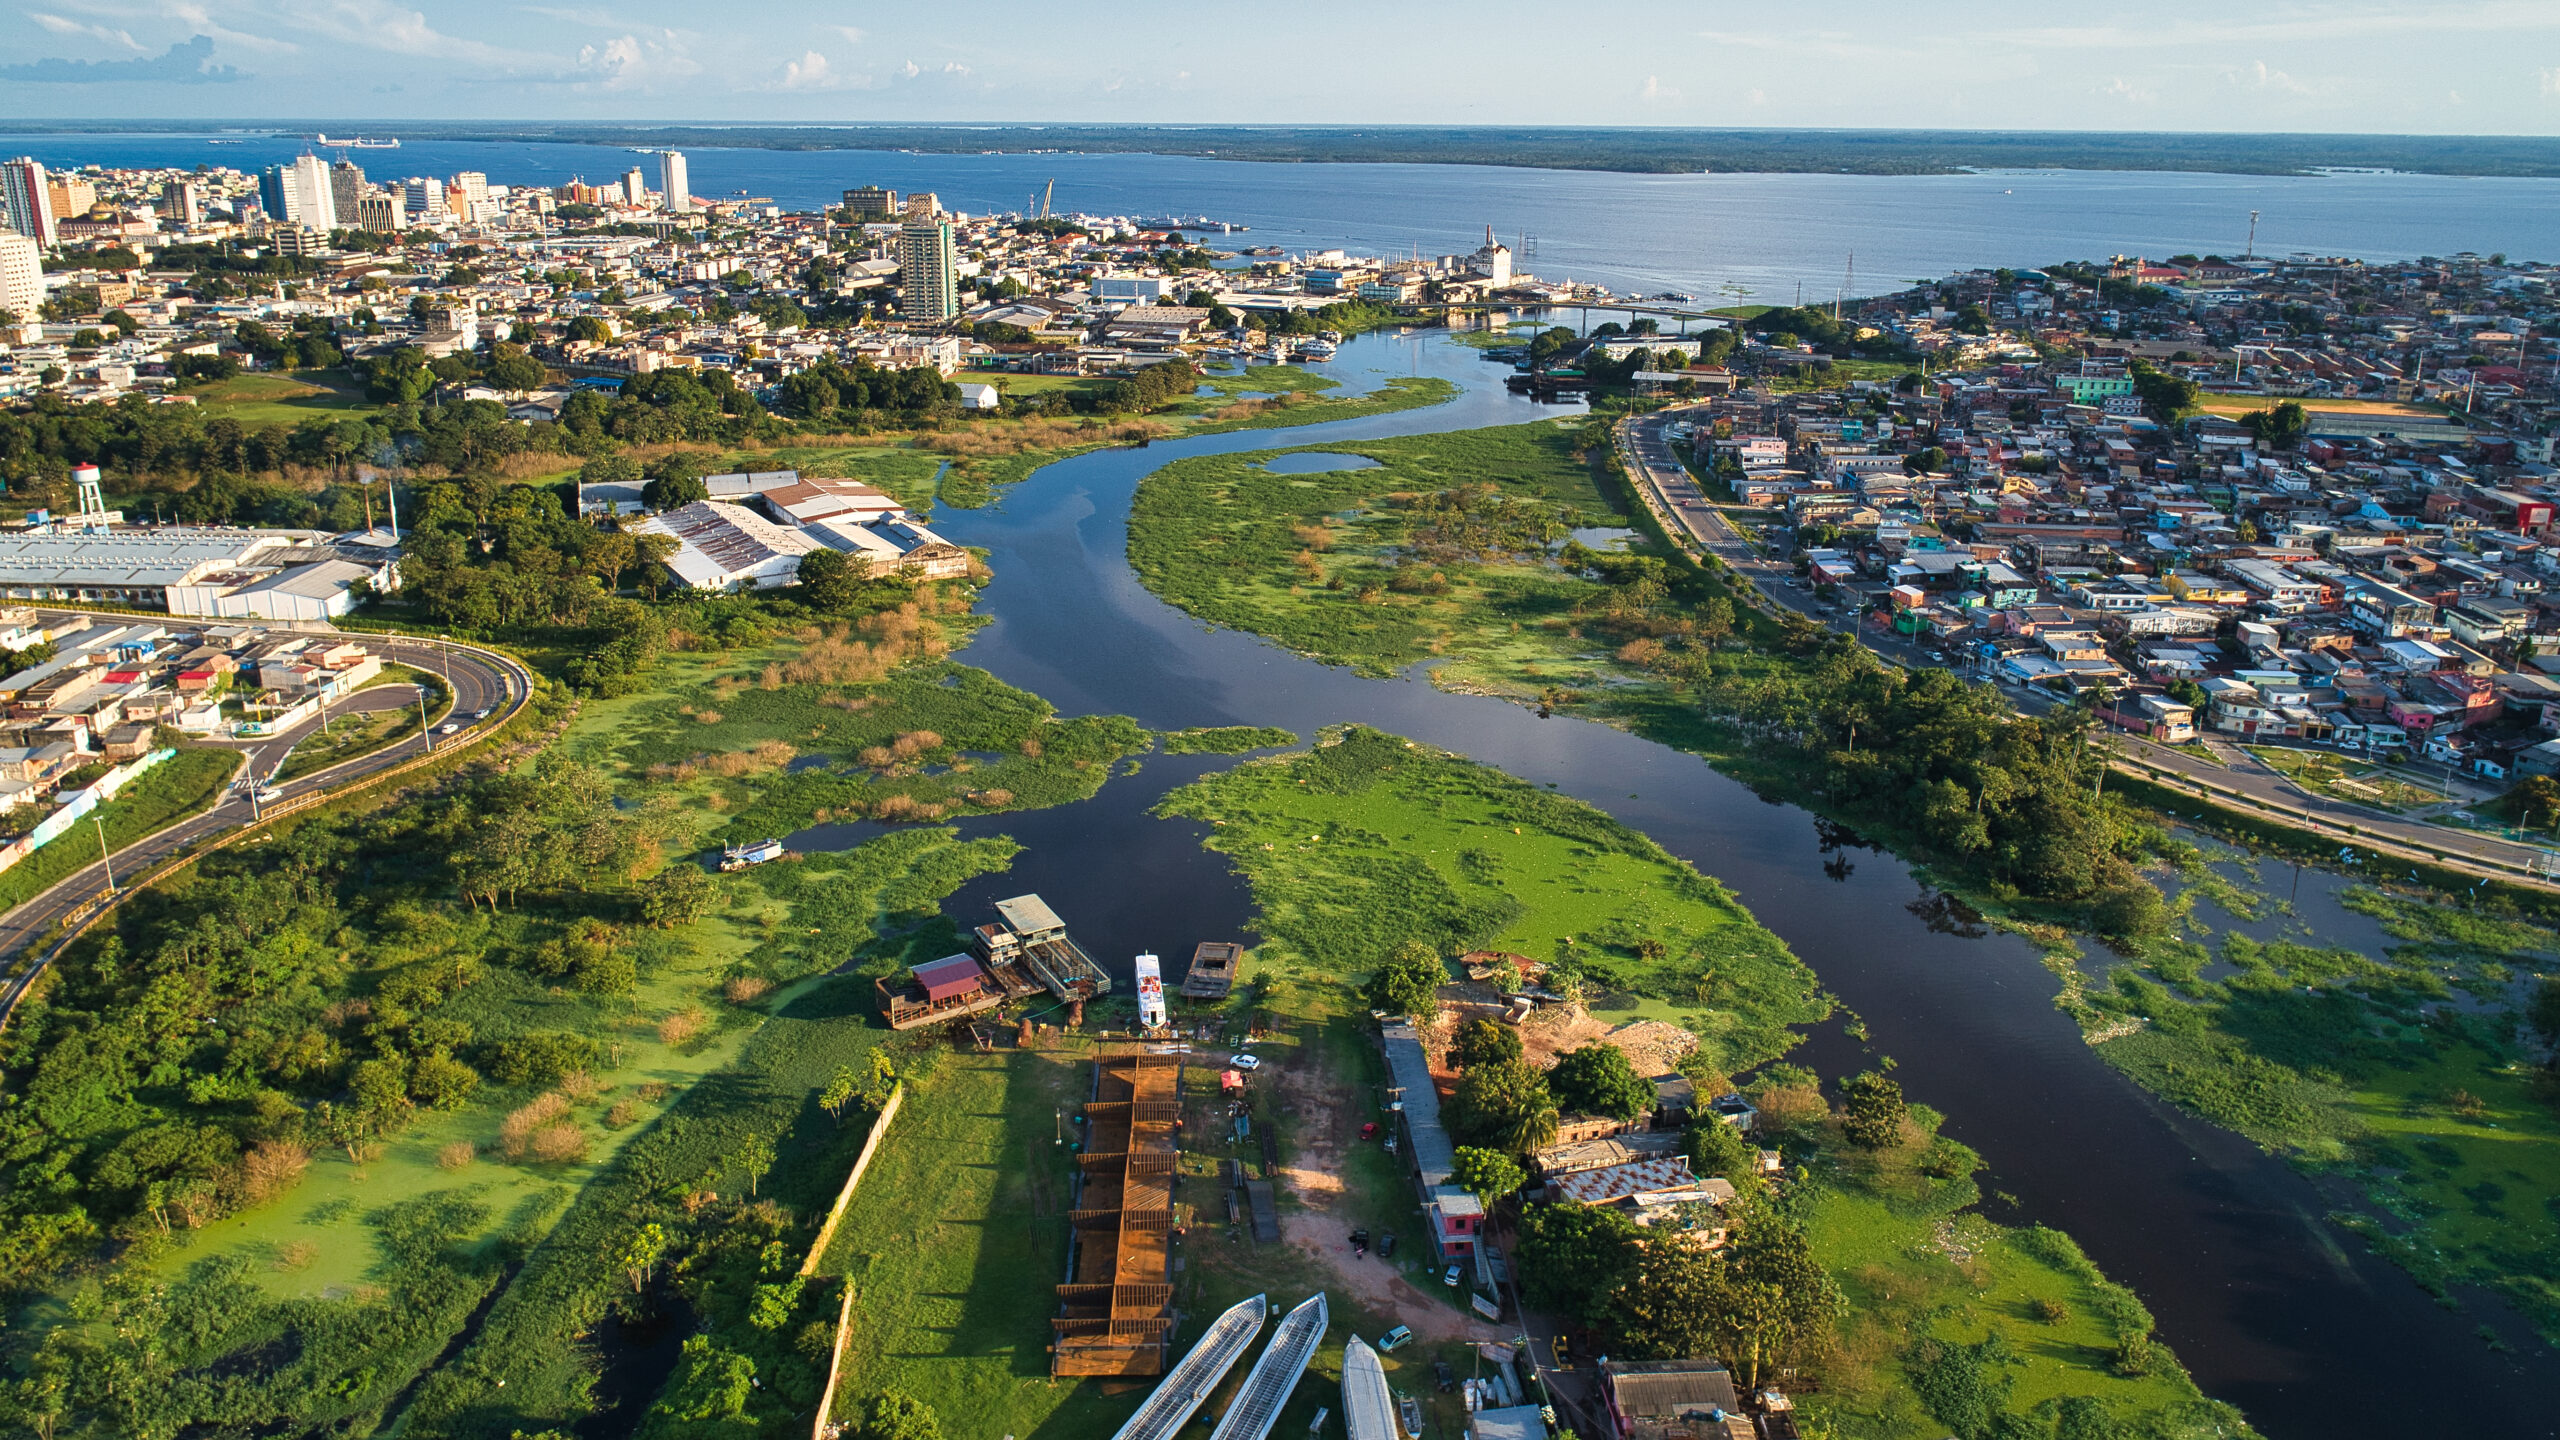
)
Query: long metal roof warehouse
[{"x": 133, "y": 567}]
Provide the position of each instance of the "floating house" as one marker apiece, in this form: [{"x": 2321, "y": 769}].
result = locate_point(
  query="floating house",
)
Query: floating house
[{"x": 1030, "y": 934}]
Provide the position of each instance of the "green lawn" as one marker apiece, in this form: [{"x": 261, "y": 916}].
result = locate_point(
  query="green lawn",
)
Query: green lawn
[
  {"x": 272, "y": 399},
  {"x": 180, "y": 786},
  {"x": 954, "y": 1245}
]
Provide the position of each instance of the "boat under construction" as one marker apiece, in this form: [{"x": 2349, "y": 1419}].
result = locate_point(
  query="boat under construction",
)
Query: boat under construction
[
  {"x": 1368, "y": 1406},
  {"x": 1024, "y": 953},
  {"x": 1213, "y": 970},
  {"x": 1267, "y": 1387},
  {"x": 1187, "y": 1387},
  {"x": 1115, "y": 1311}
]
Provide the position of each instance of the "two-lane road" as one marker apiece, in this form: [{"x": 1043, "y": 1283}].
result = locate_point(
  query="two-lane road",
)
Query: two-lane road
[{"x": 480, "y": 680}]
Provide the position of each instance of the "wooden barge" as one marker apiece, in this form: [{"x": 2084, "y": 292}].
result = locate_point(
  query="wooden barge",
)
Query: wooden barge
[{"x": 1213, "y": 970}]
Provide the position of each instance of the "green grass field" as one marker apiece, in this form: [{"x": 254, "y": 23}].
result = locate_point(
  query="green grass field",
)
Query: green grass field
[
  {"x": 256, "y": 400},
  {"x": 1370, "y": 840},
  {"x": 182, "y": 785}
]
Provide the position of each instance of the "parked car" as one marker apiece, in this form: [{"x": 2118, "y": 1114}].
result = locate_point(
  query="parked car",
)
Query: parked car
[
  {"x": 1447, "y": 1377},
  {"x": 1369, "y": 1131},
  {"x": 1245, "y": 1062},
  {"x": 1387, "y": 1246},
  {"x": 1401, "y": 1335},
  {"x": 1449, "y": 1277},
  {"x": 1360, "y": 1242}
]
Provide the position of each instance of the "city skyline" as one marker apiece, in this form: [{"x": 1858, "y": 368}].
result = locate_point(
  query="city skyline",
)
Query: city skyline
[{"x": 2345, "y": 66}]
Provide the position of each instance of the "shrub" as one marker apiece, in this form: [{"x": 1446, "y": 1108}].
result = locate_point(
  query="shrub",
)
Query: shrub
[
  {"x": 457, "y": 1155},
  {"x": 542, "y": 1057},
  {"x": 683, "y": 1027}
]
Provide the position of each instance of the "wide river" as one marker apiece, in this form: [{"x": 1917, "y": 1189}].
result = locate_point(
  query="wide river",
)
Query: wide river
[
  {"x": 1724, "y": 238},
  {"x": 2270, "y": 1309}
]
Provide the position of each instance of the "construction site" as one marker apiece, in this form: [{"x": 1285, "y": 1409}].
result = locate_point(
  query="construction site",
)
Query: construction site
[{"x": 1115, "y": 1311}]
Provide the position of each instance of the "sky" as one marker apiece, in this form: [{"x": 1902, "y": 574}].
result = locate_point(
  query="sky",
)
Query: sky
[{"x": 2408, "y": 66}]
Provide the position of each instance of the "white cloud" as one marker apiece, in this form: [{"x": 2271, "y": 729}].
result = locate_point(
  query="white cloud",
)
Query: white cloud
[
  {"x": 376, "y": 25},
  {"x": 628, "y": 62},
  {"x": 2550, "y": 81},
  {"x": 2122, "y": 89},
  {"x": 2268, "y": 79},
  {"x": 910, "y": 70},
  {"x": 812, "y": 72},
  {"x": 1758, "y": 97},
  {"x": 1655, "y": 92},
  {"x": 852, "y": 35},
  {"x": 954, "y": 67},
  {"x": 64, "y": 25}
]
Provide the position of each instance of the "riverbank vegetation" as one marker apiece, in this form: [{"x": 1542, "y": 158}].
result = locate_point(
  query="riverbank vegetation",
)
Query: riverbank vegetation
[
  {"x": 2406, "y": 1080},
  {"x": 1227, "y": 739},
  {"x": 1456, "y": 546},
  {"x": 1936, "y": 1317},
  {"x": 1370, "y": 840}
]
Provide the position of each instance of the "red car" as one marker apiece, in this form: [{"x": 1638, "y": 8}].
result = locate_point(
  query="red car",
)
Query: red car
[{"x": 1369, "y": 1131}]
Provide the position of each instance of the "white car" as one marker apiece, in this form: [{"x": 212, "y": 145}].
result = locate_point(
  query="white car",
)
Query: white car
[
  {"x": 447, "y": 729},
  {"x": 1245, "y": 1062}
]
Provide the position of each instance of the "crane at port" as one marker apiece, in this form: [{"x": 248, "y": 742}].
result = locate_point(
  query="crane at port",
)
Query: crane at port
[{"x": 1046, "y": 196}]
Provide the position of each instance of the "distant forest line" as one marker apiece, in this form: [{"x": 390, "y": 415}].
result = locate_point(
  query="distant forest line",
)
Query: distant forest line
[{"x": 1641, "y": 151}]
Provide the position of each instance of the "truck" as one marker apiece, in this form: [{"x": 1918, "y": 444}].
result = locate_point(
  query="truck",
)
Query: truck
[{"x": 739, "y": 857}]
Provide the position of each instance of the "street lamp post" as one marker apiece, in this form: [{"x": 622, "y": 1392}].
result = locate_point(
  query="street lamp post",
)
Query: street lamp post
[
  {"x": 257, "y": 812},
  {"x": 104, "y": 858}
]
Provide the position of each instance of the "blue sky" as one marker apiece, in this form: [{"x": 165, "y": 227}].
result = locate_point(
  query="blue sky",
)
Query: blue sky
[{"x": 2422, "y": 66}]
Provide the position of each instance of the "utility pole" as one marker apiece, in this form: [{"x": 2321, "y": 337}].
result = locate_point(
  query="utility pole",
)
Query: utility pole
[
  {"x": 256, "y": 811},
  {"x": 2253, "y": 236},
  {"x": 103, "y": 857}
]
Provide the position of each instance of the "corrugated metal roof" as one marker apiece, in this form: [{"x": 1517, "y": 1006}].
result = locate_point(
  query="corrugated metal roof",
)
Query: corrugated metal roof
[
  {"x": 1411, "y": 1068},
  {"x": 127, "y": 558},
  {"x": 1028, "y": 915}
]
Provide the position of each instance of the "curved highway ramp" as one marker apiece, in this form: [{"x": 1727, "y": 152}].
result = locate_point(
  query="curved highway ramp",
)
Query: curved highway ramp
[{"x": 1179, "y": 1397}]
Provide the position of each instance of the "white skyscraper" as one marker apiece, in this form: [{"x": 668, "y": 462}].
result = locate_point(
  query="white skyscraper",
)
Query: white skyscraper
[
  {"x": 25, "y": 208},
  {"x": 671, "y": 180},
  {"x": 425, "y": 196},
  {"x": 635, "y": 188},
  {"x": 21, "y": 276},
  {"x": 310, "y": 183}
]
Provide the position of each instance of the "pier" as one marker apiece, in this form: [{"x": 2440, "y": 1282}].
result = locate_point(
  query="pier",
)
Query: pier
[{"x": 1115, "y": 1311}]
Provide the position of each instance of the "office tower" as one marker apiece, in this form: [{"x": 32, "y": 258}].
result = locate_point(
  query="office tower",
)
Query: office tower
[
  {"x": 923, "y": 205},
  {"x": 319, "y": 202},
  {"x": 21, "y": 277},
  {"x": 71, "y": 196},
  {"x": 469, "y": 186},
  {"x": 870, "y": 202},
  {"x": 425, "y": 197},
  {"x": 22, "y": 195},
  {"x": 379, "y": 212},
  {"x": 928, "y": 270},
  {"x": 299, "y": 194},
  {"x": 346, "y": 190},
  {"x": 635, "y": 188},
  {"x": 675, "y": 190},
  {"x": 182, "y": 202}
]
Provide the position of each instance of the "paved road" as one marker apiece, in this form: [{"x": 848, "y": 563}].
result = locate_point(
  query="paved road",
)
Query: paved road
[
  {"x": 480, "y": 680},
  {"x": 1668, "y": 489}
]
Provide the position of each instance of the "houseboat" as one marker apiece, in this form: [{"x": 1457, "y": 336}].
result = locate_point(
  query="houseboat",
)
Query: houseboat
[
  {"x": 1029, "y": 934},
  {"x": 739, "y": 857},
  {"x": 951, "y": 988}
]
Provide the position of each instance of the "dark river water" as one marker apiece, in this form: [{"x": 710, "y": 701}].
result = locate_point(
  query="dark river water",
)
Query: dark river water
[{"x": 2264, "y": 1304}]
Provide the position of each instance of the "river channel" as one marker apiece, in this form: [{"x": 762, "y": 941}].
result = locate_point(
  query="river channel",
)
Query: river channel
[{"x": 2269, "y": 1308}]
